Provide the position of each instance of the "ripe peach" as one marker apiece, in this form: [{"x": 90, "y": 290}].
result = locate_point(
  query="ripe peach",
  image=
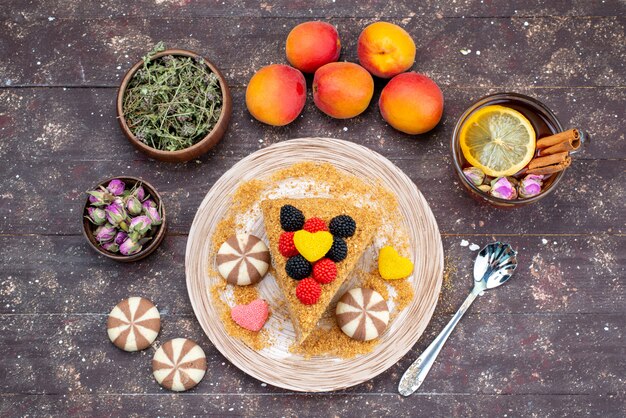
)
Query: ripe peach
[
  {"x": 311, "y": 45},
  {"x": 342, "y": 89},
  {"x": 276, "y": 94},
  {"x": 385, "y": 49},
  {"x": 412, "y": 103}
]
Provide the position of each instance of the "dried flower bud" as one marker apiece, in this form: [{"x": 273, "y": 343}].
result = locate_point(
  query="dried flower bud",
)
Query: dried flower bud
[
  {"x": 130, "y": 247},
  {"x": 153, "y": 214},
  {"x": 149, "y": 204},
  {"x": 140, "y": 193},
  {"x": 115, "y": 213},
  {"x": 123, "y": 226},
  {"x": 135, "y": 236},
  {"x": 485, "y": 188},
  {"x": 120, "y": 237},
  {"x": 116, "y": 187},
  {"x": 530, "y": 185},
  {"x": 111, "y": 246},
  {"x": 133, "y": 205},
  {"x": 474, "y": 175},
  {"x": 140, "y": 225},
  {"x": 96, "y": 215},
  {"x": 513, "y": 181},
  {"x": 104, "y": 233},
  {"x": 100, "y": 197},
  {"x": 502, "y": 188}
]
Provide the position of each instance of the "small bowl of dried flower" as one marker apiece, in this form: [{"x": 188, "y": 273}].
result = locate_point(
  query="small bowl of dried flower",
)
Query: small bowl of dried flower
[
  {"x": 124, "y": 218},
  {"x": 174, "y": 105}
]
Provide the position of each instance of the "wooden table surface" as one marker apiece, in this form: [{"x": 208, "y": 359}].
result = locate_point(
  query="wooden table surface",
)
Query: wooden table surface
[{"x": 549, "y": 343}]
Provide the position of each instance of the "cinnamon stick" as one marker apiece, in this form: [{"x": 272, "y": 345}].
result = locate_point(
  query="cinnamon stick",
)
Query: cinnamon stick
[
  {"x": 557, "y": 158},
  {"x": 554, "y": 152},
  {"x": 568, "y": 145},
  {"x": 551, "y": 169},
  {"x": 569, "y": 135}
]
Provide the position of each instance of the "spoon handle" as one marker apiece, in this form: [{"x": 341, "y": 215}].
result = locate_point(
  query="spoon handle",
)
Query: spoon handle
[{"x": 416, "y": 373}]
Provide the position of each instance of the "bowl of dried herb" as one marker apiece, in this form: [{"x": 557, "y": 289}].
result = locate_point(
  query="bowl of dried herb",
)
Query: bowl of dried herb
[{"x": 174, "y": 105}]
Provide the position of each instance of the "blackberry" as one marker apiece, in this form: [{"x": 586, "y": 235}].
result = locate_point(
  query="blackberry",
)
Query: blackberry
[
  {"x": 291, "y": 218},
  {"x": 298, "y": 267},
  {"x": 339, "y": 250},
  {"x": 342, "y": 226}
]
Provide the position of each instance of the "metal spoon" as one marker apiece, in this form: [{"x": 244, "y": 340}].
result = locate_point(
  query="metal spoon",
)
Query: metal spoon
[{"x": 494, "y": 265}]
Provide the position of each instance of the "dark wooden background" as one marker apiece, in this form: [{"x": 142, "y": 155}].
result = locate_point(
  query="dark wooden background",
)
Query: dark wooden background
[{"x": 550, "y": 343}]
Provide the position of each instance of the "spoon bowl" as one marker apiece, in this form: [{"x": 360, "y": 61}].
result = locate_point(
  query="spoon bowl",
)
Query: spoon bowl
[{"x": 494, "y": 265}]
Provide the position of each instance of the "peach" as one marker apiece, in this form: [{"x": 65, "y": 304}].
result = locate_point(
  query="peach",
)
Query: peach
[
  {"x": 276, "y": 94},
  {"x": 412, "y": 103},
  {"x": 311, "y": 45},
  {"x": 342, "y": 89},
  {"x": 385, "y": 49}
]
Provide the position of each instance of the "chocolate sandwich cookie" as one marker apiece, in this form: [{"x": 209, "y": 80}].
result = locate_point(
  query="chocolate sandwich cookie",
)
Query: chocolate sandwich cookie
[
  {"x": 179, "y": 364},
  {"x": 362, "y": 314},
  {"x": 243, "y": 259},
  {"x": 134, "y": 324}
]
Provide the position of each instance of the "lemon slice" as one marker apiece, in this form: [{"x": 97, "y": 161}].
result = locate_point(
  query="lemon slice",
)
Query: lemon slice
[{"x": 498, "y": 140}]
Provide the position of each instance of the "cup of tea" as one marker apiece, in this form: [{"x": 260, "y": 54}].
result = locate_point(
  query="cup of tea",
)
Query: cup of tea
[{"x": 510, "y": 150}]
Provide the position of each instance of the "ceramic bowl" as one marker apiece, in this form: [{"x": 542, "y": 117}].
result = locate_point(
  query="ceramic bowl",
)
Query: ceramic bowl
[
  {"x": 89, "y": 228},
  {"x": 199, "y": 148}
]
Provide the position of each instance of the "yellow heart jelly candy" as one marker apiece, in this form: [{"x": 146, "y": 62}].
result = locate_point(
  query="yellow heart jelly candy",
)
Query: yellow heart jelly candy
[
  {"x": 392, "y": 266},
  {"x": 313, "y": 246}
]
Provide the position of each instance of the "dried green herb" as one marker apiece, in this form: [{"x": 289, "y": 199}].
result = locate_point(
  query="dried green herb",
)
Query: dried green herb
[{"x": 172, "y": 102}]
